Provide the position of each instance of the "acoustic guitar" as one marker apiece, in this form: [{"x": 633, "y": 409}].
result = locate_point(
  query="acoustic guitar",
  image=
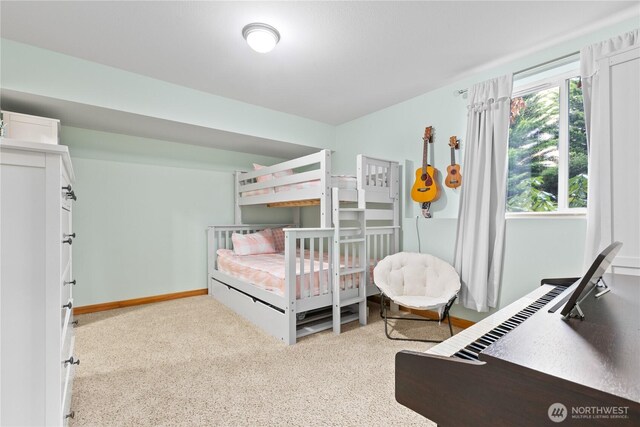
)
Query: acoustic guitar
[
  {"x": 425, "y": 188},
  {"x": 454, "y": 178}
]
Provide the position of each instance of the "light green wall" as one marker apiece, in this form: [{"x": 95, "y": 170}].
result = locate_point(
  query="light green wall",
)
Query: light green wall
[
  {"x": 142, "y": 209},
  {"x": 144, "y": 204},
  {"x": 42, "y": 72},
  {"x": 98, "y": 145},
  {"x": 535, "y": 248}
]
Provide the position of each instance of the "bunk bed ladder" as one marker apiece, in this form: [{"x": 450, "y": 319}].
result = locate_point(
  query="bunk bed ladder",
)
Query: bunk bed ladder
[{"x": 349, "y": 260}]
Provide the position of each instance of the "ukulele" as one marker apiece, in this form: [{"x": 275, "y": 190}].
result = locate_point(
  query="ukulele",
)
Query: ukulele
[
  {"x": 425, "y": 188},
  {"x": 453, "y": 179}
]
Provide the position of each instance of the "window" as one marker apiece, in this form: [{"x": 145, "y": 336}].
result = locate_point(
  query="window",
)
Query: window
[{"x": 548, "y": 143}]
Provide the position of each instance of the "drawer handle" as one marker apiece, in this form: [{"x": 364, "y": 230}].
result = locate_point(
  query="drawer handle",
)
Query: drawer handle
[
  {"x": 74, "y": 323},
  {"x": 70, "y": 193},
  {"x": 73, "y": 282},
  {"x": 71, "y": 414},
  {"x": 69, "y": 241},
  {"x": 73, "y": 235},
  {"x": 68, "y": 305},
  {"x": 71, "y": 361}
]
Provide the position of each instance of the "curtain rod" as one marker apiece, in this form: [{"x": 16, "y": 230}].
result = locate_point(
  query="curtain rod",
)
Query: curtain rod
[{"x": 524, "y": 70}]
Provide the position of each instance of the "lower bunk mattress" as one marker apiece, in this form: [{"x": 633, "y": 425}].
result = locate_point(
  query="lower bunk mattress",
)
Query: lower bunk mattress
[{"x": 267, "y": 271}]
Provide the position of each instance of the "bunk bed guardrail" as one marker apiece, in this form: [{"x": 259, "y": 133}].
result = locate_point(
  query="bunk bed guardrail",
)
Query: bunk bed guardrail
[
  {"x": 377, "y": 181},
  {"x": 381, "y": 241},
  {"x": 219, "y": 237},
  {"x": 315, "y": 166},
  {"x": 378, "y": 176}
]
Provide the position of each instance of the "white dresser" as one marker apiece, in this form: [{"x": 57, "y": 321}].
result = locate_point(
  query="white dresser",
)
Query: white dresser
[{"x": 36, "y": 284}]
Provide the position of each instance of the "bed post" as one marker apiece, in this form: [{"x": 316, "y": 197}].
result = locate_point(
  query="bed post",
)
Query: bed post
[
  {"x": 360, "y": 180},
  {"x": 360, "y": 172},
  {"x": 296, "y": 217},
  {"x": 237, "y": 211},
  {"x": 335, "y": 284},
  {"x": 290, "y": 239},
  {"x": 325, "y": 197},
  {"x": 212, "y": 251},
  {"x": 394, "y": 188}
]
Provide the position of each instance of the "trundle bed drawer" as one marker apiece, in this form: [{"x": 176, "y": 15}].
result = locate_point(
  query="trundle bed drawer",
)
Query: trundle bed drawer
[{"x": 271, "y": 320}]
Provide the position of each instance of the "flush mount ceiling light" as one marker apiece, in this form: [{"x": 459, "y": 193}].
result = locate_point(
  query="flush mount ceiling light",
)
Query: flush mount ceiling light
[{"x": 261, "y": 37}]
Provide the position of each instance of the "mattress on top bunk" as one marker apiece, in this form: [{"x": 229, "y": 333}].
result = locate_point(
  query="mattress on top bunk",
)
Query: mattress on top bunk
[
  {"x": 345, "y": 182},
  {"x": 267, "y": 271}
]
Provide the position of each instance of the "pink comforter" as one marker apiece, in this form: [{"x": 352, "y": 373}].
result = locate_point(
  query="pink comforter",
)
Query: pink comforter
[{"x": 267, "y": 271}]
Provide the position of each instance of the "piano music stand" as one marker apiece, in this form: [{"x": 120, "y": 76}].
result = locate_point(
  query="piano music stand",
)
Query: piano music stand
[
  {"x": 577, "y": 308},
  {"x": 589, "y": 282}
]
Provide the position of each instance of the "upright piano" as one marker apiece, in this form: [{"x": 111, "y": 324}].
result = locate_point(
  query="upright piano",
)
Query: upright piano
[{"x": 525, "y": 366}]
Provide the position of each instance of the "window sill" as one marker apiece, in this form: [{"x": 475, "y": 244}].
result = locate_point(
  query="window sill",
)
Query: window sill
[{"x": 547, "y": 215}]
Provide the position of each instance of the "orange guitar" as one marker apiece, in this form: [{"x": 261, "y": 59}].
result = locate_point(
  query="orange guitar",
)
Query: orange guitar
[
  {"x": 453, "y": 179},
  {"x": 425, "y": 188}
]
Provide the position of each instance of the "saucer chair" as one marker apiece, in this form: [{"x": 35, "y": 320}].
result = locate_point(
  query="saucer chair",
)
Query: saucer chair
[{"x": 416, "y": 281}]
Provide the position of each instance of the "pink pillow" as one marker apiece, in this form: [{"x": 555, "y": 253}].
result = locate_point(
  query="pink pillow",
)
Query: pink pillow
[
  {"x": 278, "y": 239},
  {"x": 267, "y": 177},
  {"x": 285, "y": 172},
  {"x": 284, "y": 187},
  {"x": 263, "y": 178},
  {"x": 253, "y": 244}
]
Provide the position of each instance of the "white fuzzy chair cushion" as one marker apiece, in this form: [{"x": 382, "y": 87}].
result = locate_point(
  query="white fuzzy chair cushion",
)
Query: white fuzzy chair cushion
[{"x": 419, "y": 281}]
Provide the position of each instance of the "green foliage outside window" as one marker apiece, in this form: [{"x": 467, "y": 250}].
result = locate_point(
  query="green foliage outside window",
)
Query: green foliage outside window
[
  {"x": 578, "y": 160},
  {"x": 532, "y": 184}
]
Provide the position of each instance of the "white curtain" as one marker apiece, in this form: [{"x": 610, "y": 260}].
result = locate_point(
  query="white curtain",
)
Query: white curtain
[
  {"x": 599, "y": 197},
  {"x": 480, "y": 234}
]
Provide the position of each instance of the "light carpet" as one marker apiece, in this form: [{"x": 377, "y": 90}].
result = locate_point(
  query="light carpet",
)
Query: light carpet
[{"x": 194, "y": 362}]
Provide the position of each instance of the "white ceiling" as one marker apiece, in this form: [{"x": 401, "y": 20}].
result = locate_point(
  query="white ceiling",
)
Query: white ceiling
[{"x": 336, "y": 61}]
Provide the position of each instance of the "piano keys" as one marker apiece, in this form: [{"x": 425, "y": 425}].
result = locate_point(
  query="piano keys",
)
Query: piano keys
[
  {"x": 484, "y": 333},
  {"x": 522, "y": 359}
]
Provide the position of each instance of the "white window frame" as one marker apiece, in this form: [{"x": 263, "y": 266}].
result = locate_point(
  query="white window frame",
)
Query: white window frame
[{"x": 560, "y": 80}]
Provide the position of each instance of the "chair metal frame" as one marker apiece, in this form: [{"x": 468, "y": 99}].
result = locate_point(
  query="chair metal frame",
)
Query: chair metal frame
[{"x": 445, "y": 314}]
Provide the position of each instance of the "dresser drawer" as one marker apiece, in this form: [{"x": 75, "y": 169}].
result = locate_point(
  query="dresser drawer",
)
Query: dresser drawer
[
  {"x": 67, "y": 340},
  {"x": 66, "y": 316},
  {"x": 66, "y": 377},
  {"x": 67, "y": 193},
  {"x": 67, "y": 413},
  {"x": 66, "y": 286},
  {"x": 66, "y": 239},
  {"x": 65, "y": 220}
]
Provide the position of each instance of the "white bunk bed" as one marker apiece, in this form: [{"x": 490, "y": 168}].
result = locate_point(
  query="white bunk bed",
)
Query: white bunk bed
[{"x": 323, "y": 267}]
